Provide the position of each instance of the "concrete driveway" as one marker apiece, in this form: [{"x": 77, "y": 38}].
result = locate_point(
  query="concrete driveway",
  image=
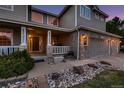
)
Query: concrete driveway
[{"x": 44, "y": 68}]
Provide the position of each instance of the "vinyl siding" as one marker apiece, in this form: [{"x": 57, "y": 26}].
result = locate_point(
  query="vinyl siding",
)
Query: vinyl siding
[
  {"x": 68, "y": 19},
  {"x": 19, "y": 13},
  {"x": 92, "y": 23}
]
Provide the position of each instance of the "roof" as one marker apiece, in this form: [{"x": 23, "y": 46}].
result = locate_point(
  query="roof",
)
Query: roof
[
  {"x": 95, "y": 8},
  {"x": 42, "y": 11},
  {"x": 97, "y": 31}
]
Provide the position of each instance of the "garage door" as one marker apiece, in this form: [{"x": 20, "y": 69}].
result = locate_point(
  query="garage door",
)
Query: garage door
[{"x": 97, "y": 47}]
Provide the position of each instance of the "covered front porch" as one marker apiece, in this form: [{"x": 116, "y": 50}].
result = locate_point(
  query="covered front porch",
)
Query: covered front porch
[{"x": 38, "y": 41}]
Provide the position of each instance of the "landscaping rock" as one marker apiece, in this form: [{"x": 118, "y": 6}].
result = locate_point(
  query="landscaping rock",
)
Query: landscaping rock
[{"x": 76, "y": 75}]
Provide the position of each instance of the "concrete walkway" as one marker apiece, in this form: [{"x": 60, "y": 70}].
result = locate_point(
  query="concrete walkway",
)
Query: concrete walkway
[{"x": 44, "y": 68}]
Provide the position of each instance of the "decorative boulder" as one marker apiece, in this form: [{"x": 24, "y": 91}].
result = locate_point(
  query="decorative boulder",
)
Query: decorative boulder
[
  {"x": 78, "y": 70},
  {"x": 93, "y": 66},
  {"x": 105, "y": 63}
]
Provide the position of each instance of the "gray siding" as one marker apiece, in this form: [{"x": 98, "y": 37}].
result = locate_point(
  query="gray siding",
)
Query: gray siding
[
  {"x": 19, "y": 13},
  {"x": 68, "y": 19},
  {"x": 93, "y": 22},
  {"x": 97, "y": 46}
]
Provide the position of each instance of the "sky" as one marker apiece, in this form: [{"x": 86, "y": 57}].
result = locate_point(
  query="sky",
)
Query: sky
[{"x": 111, "y": 10}]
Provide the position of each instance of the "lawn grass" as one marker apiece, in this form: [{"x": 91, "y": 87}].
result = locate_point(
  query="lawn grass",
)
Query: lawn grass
[{"x": 107, "y": 79}]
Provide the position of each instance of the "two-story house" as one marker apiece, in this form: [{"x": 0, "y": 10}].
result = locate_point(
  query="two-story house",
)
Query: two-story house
[{"x": 78, "y": 28}]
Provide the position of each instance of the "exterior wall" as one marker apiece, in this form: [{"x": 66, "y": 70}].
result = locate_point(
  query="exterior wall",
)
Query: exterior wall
[
  {"x": 97, "y": 46},
  {"x": 71, "y": 40},
  {"x": 19, "y": 13},
  {"x": 68, "y": 19},
  {"x": 92, "y": 23}
]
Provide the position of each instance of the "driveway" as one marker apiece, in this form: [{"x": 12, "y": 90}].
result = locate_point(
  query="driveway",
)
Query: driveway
[{"x": 43, "y": 68}]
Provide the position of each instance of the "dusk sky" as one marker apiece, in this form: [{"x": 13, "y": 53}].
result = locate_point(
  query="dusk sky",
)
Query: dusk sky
[{"x": 111, "y": 10}]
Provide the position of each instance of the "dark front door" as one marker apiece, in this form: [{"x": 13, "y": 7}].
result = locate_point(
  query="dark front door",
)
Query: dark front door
[{"x": 35, "y": 44}]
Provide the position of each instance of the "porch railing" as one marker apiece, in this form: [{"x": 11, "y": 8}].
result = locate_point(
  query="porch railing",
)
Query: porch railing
[
  {"x": 60, "y": 49},
  {"x": 6, "y": 50}
]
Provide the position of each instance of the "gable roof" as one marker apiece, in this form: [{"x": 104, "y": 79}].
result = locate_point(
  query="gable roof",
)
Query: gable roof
[
  {"x": 94, "y": 7},
  {"x": 42, "y": 11}
]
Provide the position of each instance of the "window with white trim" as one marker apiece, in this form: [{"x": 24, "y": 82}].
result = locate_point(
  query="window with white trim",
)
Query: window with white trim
[
  {"x": 84, "y": 40},
  {"x": 7, "y": 7},
  {"x": 52, "y": 20},
  {"x": 37, "y": 17},
  {"x": 85, "y": 12}
]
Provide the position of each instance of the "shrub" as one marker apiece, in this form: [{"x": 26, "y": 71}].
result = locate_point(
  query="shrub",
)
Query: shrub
[{"x": 15, "y": 64}]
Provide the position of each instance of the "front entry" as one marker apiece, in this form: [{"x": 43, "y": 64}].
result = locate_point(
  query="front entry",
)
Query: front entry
[{"x": 35, "y": 44}]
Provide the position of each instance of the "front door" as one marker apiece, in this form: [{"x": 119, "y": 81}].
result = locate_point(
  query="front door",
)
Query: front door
[{"x": 34, "y": 44}]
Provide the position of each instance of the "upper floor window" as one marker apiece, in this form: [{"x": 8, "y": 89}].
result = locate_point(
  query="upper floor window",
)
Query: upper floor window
[
  {"x": 7, "y": 7},
  {"x": 85, "y": 12},
  {"x": 52, "y": 20},
  {"x": 37, "y": 17}
]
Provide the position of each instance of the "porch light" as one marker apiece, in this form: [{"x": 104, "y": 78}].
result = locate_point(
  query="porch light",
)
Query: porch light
[{"x": 29, "y": 36}]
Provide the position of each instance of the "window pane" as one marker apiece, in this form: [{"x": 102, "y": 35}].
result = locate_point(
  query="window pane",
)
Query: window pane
[
  {"x": 5, "y": 38},
  {"x": 37, "y": 17},
  {"x": 85, "y": 12},
  {"x": 82, "y": 10},
  {"x": 52, "y": 20}
]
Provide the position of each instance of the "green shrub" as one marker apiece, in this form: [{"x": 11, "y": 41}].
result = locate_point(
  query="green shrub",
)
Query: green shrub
[{"x": 15, "y": 64}]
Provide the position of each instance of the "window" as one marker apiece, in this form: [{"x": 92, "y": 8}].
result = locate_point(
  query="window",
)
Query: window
[
  {"x": 85, "y": 12},
  {"x": 84, "y": 40},
  {"x": 5, "y": 38},
  {"x": 7, "y": 7},
  {"x": 52, "y": 20},
  {"x": 37, "y": 17}
]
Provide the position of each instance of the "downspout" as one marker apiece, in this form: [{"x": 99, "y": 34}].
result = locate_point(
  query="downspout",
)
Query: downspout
[
  {"x": 78, "y": 34},
  {"x": 78, "y": 44}
]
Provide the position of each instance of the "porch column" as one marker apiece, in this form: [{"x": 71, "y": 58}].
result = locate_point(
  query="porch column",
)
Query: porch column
[
  {"x": 49, "y": 49},
  {"x": 49, "y": 38},
  {"x": 23, "y": 44}
]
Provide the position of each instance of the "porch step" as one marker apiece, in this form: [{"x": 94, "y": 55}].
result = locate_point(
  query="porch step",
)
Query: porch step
[{"x": 39, "y": 58}]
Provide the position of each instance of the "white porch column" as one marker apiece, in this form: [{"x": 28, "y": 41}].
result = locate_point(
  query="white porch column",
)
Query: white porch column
[
  {"x": 23, "y": 44},
  {"x": 49, "y": 48},
  {"x": 49, "y": 38}
]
